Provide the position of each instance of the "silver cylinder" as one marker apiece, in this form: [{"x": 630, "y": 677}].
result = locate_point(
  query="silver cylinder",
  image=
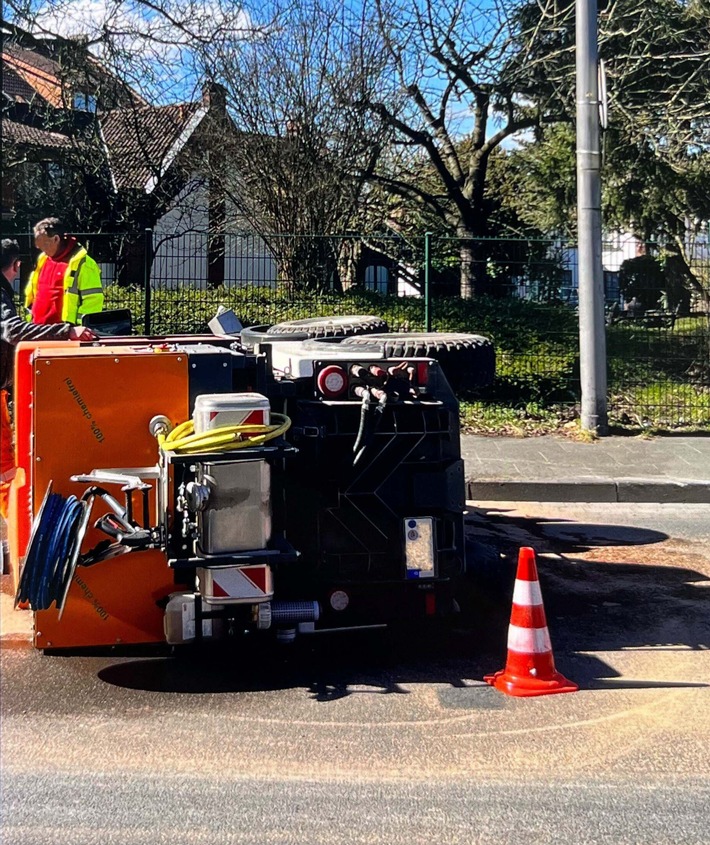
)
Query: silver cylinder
[{"x": 290, "y": 612}]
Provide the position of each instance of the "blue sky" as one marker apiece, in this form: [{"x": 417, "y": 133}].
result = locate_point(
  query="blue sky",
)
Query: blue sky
[
  {"x": 148, "y": 49},
  {"x": 152, "y": 53}
]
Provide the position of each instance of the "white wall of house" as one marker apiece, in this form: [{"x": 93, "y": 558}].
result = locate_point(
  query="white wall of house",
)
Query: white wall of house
[
  {"x": 404, "y": 285},
  {"x": 697, "y": 242},
  {"x": 378, "y": 278},
  {"x": 248, "y": 262},
  {"x": 617, "y": 247},
  {"x": 181, "y": 238}
]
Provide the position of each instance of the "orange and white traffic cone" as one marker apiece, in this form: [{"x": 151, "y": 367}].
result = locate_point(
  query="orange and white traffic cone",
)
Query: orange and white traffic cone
[{"x": 530, "y": 667}]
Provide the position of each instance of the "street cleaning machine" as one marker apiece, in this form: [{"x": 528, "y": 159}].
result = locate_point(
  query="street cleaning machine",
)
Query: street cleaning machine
[{"x": 188, "y": 490}]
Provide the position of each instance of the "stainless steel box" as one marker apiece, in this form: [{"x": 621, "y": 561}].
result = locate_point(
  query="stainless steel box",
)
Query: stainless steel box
[{"x": 237, "y": 515}]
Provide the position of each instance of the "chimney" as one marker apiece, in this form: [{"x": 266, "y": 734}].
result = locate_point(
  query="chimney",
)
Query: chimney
[{"x": 214, "y": 96}]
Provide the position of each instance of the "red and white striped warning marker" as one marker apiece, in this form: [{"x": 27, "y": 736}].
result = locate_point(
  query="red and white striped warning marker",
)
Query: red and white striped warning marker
[
  {"x": 530, "y": 667},
  {"x": 236, "y": 584}
]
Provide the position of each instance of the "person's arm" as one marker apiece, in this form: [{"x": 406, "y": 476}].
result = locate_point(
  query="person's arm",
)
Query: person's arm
[
  {"x": 16, "y": 330},
  {"x": 91, "y": 293}
]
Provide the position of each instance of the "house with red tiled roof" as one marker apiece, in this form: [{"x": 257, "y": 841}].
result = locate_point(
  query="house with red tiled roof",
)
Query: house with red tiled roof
[
  {"x": 81, "y": 144},
  {"x": 32, "y": 76},
  {"x": 59, "y": 72},
  {"x": 143, "y": 143},
  {"x": 53, "y": 93},
  {"x": 15, "y": 87}
]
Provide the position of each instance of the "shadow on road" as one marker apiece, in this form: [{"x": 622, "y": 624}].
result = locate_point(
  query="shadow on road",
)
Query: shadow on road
[
  {"x": 503, "y": 528},
  {"x": 591, "y": 605},
  {"x": 328, "y": 666}
]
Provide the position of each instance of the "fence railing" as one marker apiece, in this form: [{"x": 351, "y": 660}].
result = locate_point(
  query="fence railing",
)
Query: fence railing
[{"x": 524, "y": 298}]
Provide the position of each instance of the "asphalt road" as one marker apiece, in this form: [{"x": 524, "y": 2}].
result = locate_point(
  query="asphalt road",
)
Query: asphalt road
[{"x": 362, "y": 739}]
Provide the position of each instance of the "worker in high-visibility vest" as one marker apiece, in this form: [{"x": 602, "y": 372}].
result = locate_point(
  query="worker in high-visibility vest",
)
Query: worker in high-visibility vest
[{"x": 66, "y": 281}]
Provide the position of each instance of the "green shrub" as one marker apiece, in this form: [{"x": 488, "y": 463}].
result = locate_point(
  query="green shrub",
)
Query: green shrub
[{"x": 537, "y": 348}]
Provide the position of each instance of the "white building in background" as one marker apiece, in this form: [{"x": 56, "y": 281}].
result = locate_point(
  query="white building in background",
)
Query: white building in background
[
  {"x": 616, "y": 248},
  {"x": 181, "y": 243}
]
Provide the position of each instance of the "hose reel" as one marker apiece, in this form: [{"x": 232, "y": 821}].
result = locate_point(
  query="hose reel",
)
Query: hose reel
[
  {"x": 58, "y": 531},
  {"x": 53, "y": 550}
]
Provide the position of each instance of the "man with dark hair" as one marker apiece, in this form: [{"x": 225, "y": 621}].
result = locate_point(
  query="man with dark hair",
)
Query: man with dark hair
[
  {"x": 13, "y": 330},
  {"x": 66, "y": 283}
]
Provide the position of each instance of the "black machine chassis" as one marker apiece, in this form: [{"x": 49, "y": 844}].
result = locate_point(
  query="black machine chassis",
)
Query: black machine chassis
[{"x": 337, "y": 526}]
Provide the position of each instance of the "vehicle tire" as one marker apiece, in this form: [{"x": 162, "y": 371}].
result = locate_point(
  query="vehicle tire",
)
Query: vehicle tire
[
  {"x": 339, "y": 326},
  {"x": 252, "y": 335},
  {"x": 467, "y": 360}
]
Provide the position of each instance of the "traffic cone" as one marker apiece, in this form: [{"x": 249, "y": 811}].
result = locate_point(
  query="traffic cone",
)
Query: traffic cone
[{"x": 530, "y": 667}]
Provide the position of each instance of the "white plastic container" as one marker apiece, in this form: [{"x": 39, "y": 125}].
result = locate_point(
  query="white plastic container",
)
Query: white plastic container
[
  {"x": 179, "y": 621},
  {"x": 214, "y": 410}
]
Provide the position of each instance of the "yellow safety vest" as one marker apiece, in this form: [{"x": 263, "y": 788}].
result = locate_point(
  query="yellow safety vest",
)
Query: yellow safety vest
[{"x": 83, "y": 292}]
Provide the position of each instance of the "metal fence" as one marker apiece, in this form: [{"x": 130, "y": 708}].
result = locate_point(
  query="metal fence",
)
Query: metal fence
[{"x": 658, "y": 321}]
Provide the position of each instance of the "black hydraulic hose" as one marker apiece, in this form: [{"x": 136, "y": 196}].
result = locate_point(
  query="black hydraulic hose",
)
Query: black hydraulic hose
[
  {"x": 364, "y": 408},
  {"x": 369, "y": 430},
  {"x": 58, "y": 557},
  {"x": 48, "y": 561},
  {"x": 30, "y": 578}
]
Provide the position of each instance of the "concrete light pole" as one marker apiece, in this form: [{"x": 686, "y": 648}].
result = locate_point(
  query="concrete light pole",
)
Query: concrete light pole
[{"x": 592, "y": 332}]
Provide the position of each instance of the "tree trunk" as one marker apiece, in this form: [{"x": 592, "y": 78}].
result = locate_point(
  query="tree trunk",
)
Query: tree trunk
[
  {"x": 698, "y": 286},
  {"x": 216, "y": 242},
  {"x": 133, "y": 260},
  {"x": 473, "y": 274},
  {"x": 349, "y": 254}
]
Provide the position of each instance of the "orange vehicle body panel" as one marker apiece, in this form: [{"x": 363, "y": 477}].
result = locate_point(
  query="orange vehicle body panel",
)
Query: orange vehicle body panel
[
  {"x": 90, "y": 409},
  {"x": 20, "y": 505}
]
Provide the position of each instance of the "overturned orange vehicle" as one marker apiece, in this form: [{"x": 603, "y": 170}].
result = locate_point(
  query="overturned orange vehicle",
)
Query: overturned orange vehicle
[{"x": 186, "y": 490}]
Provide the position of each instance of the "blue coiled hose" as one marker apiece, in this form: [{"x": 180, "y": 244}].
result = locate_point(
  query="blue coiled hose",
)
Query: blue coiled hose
[{"x": 48, "y": 561}]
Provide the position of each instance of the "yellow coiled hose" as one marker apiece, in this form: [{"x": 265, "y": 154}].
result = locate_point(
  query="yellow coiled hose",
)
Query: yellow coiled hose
[{"x": 183, "y": 438}]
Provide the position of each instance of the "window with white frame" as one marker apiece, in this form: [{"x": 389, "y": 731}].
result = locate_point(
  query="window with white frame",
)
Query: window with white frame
[{"x": 85, "y": 102}]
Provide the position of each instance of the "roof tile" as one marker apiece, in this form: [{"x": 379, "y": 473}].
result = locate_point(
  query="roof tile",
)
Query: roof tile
[
  {"x": 20, "y": 133},
  {"x": 15, "y": 87},
  {"x": 138, "y": 140}
]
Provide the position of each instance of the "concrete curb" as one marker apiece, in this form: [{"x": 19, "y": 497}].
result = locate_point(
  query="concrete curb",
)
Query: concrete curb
[{"x": 591, "y": 490}]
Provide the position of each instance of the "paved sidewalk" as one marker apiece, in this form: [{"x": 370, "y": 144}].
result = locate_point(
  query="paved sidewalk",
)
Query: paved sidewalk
[{"x": 611, "y": 469}]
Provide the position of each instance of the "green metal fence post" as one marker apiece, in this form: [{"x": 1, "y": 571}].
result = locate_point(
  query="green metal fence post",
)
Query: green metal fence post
[
  {"x": 427, "y": 267},
  {"x": 147, "y": 263}
]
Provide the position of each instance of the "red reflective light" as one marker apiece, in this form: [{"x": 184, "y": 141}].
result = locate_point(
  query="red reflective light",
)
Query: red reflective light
[
  {"x": 422, "y": 372},
  {"x": 332, "y": 381}
]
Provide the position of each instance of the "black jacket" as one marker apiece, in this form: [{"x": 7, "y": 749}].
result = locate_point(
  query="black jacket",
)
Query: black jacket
[{"x": 14, "y": 330}]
